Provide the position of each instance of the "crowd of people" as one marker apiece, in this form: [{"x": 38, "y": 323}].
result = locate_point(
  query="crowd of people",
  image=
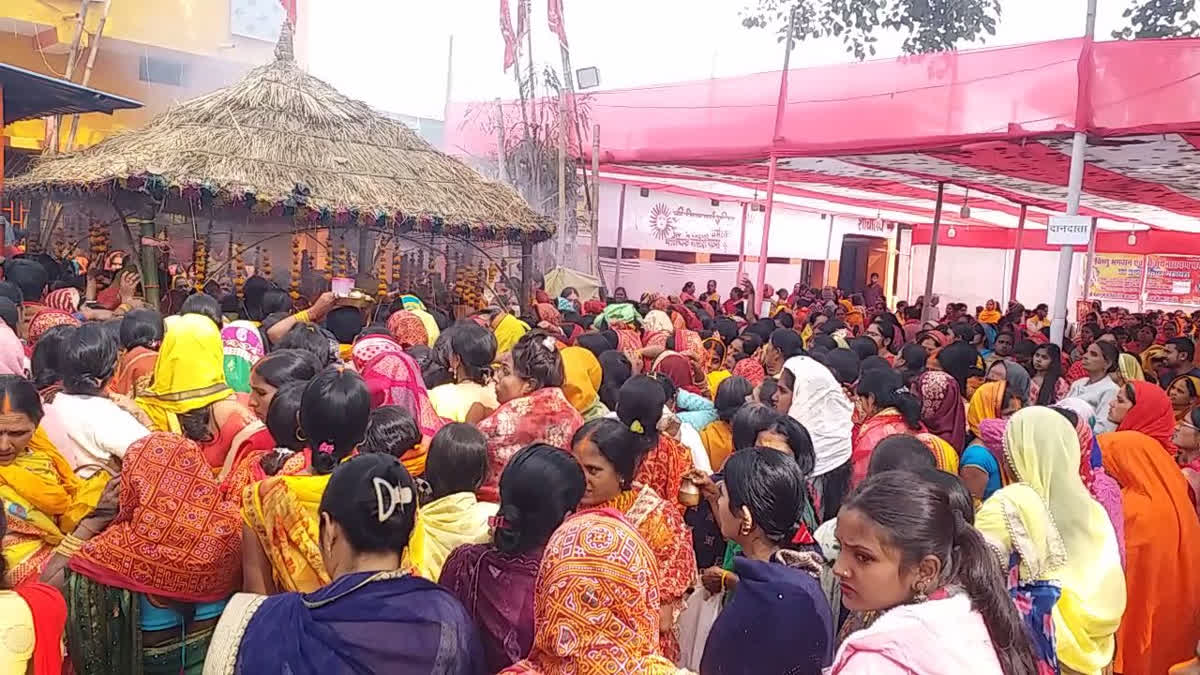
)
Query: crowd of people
[{"x": 779, "y": 482}]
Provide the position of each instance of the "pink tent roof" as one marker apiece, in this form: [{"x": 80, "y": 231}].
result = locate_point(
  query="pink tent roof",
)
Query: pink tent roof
[{"x": 882, "y": 134}]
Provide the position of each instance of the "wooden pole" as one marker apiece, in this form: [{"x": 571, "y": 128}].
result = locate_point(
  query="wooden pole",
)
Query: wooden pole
[
  {"x": 526, "y": 275},
  {"x": 1012, "y": 289},
  {"x": 87, "y": 71},
  {"x": 562, "y": 175},
  {"x": 742, "y": 244},
  {"x": 595, "y": 251},
  {"x": 501, "y": 156},
  {"x": 927, "y": 307}
]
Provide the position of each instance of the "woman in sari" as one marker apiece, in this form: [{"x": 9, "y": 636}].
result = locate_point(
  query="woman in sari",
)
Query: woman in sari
[
  {"x": 495, "y": 580},
  {"x": 280, "y": 550},
  {"x": 32, "y": 618},
  {"x": 682, "y": 371},
  {"x": 609, "y": 452},
  {"x": 818, "y": 402},
  {"x": 888, "y": 409},
  {"x": 451, "y": 516},
  {"x": 1160, "y": 627},
  {"x": 533, "y": 408},
  {"x": 371, "y": 615},
  {"x": 189, "y": 395},
  {"x": 144, "y": 594},
  {"x": 717, "y": 435},
  {"x": 761, "y": 504},
  {"x": 991, "y": 313},
  {"x": 413, "y": 304},
  {"x": 45, "y": 320},
  {"x": 656, "y": 328},
  {"x": 408, "y": 329},
  {"x": 942, "y": 410},
  {"x": 582, "y": 376},
  {"x": 243, "y": 346},
  {"x": 596, "y": 603},
  {"x": 1041, "y": 451},
  {"x": 393, "y": 378},
  {"x": 141, "y": 336},
  {"x": 508, "y": 330},
  {"x": 1017, "y": 526},
  {"x": 1184, "y": 392},
  {"x": 469, "y": 351},
  {"x": 979, "y": 466},
  {"x": 280, "y": 367},
  {"x": 1129, "y": 369},
  {"x": 44, "y": 500},
  {"x": 666, "y": 460},
  {"x": 1098, "y": 388},
  {"x": 1099, "y": 484},
  {"x": 101, "y": 426}
]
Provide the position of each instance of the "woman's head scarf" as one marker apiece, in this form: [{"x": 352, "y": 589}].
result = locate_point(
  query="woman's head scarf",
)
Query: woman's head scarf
[
  {"x": 581, "y": 377},
  {"x": 546, "y": 312},
  {"x": 1151, "y": 414},
  {"x": 986, "y": 403},
  {"x": 47, "y": 319},
  {"x": 63, "y": 299},
  {"x": 243, "y": 347},
  {"x": 189, "y": 373},
  {"x": 408, "y": 329},
  {"x": 941, "y": 407},
  {"x": 1017, "y": 380},
  {"x": 596, "y": 603},
  {"x": 1129, "y": 367},
  {"x": 657, "y": 321},
  {"x": 12, "y": 354},
  {"x": 1042, "y": 451},
  {"x": 820, "y": 404},
  {"x": 1089, "y": 451},
  {"x": 393, "y": 378}
]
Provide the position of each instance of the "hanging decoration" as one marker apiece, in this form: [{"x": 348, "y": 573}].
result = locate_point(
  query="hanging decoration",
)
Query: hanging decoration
[
  {"x": 297, "y": 265},
  {"x": 199, "y": 265}
]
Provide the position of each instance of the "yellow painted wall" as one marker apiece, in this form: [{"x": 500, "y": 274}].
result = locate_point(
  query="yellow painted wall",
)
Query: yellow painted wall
[{"x": 193, "y": 32}]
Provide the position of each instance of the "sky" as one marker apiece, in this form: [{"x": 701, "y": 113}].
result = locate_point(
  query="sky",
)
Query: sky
[{"x": 393, "y": 54}]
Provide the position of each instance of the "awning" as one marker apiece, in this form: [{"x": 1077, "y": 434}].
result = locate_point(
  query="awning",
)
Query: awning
[{"x": 28, "y": 94}]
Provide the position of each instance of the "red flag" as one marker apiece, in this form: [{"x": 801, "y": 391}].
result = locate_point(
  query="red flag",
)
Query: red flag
[
  {"x": 510, "y": 40},
  {"x": 290, "y": 7},
  {"x": 554, "y": 16},
  {"x": 522, "y": 19}
]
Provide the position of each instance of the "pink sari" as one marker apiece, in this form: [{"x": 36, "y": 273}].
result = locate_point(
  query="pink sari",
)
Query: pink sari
[
  {"x": 543, "y": 416},
  {"x": 393, "y": 378}
]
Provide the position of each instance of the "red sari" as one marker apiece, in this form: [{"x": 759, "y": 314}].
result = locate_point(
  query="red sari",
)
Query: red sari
[
  {"x": 887, "y": 422},
  {"x": 543, "y": 416},
  {"x": 663, "y": 469}
]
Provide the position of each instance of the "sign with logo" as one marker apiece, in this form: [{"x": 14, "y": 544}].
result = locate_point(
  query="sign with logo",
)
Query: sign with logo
[
  {"x": 1173, "y": 279},
  {"x": 693, "y": 229},
  {"x": 1069, "y": 230}
]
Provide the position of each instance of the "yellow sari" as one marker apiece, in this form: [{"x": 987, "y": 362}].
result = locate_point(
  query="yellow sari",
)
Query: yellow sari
[
  {"x": 442, "y": 526},
  {"x": 1042, "y": 449},
  {"x": 189, "y": 373},
  {"x": 717, "y": 438},
  {"x": 282, "y": 513},
  {"x": 508, "y": 330},
  {"x": 43, "y": 500},
  {"x": 1130, "y": 369}
]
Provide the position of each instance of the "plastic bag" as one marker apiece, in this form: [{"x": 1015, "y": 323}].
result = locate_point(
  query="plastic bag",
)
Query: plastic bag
[{"x": 700, "y": 610}]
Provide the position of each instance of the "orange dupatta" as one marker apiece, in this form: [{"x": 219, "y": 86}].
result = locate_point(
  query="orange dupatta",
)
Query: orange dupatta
[{"x": 1162, "y": 544}]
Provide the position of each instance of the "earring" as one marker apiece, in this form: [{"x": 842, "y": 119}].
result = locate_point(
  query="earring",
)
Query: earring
[{"x": 920, "y": 596}]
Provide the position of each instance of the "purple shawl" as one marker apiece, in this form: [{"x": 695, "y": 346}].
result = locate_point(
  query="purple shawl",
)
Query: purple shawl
[
  {"x": 497, "y": 590},
  {"x": 399, "y": 625}
]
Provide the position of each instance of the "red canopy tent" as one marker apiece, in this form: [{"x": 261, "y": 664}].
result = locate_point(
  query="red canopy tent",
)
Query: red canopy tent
[{"x": 896, "y": 134}]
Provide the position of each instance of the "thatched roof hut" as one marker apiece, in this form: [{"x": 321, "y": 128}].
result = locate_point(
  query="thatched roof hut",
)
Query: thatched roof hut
[{"x": 287, "y": 144}]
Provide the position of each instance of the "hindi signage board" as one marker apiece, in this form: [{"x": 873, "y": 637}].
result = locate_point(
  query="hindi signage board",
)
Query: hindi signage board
[
  {"x": 1069, "y": 230},
  {"x": 1173, "y": 279},
  {"x": 1117, "y": 276}
]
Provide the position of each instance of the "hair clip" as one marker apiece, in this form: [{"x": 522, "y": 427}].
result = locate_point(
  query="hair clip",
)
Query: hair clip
[
  {"x": 388, "y": 497},
  {"x": 548, "y": 342},
  {"x": 636, "y": 427},
  {"x": 326, "y": 448},
  {"x": 497, "y": 521}
]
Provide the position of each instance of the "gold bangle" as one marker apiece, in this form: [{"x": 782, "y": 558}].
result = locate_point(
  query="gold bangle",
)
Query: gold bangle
[
  {"x": 302, "y": 316},
  {"x": 723, "y": 573},
  {"x": 69, "y": 546}
]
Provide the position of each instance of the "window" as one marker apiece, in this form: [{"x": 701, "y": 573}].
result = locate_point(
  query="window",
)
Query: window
[{"x": 160, "y": 71}]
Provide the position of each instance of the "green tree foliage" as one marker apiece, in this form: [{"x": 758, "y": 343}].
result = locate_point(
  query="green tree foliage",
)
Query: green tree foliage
[{"x": 938, "y": 25}]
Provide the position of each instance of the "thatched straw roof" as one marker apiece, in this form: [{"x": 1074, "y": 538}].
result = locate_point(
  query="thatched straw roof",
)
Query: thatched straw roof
[{"x": 281, "y": 140}]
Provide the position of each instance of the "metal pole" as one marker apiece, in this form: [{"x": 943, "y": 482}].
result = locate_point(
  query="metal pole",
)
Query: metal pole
[
  {"x": 1058, "y": 326},
  {"x": 449, "y": 80},
  {"x": 780, "y": 105},
  {"x": 1091, "y": 256},
  {"x": 828, "y": 253},
  {"x": 1016, "y": 269},
  {"x": 742, "y": 242},
  {"x": 595, "y": 250},
  {"x": 620, "y": 235},
  {"x": 927, "y": 308}
]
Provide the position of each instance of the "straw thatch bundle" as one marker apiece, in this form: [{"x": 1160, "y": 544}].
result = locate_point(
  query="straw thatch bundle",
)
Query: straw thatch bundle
[{"x": 282, "y": 141}]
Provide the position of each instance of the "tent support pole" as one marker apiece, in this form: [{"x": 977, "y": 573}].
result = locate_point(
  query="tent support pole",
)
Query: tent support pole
[
  {"x": 780, "y": 105},
  {"x": 828, "y": 253},
  {"x": 742, "y": 243},
  {"x": 927, "y": 306},
  {"x": 527, "y": 275},
  {"x": 1091, "y": 258},
  {"x": 1058, "y": 326},
  {"x": 1016, "y": 268},
  {"x": 620, "y": 236}
]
